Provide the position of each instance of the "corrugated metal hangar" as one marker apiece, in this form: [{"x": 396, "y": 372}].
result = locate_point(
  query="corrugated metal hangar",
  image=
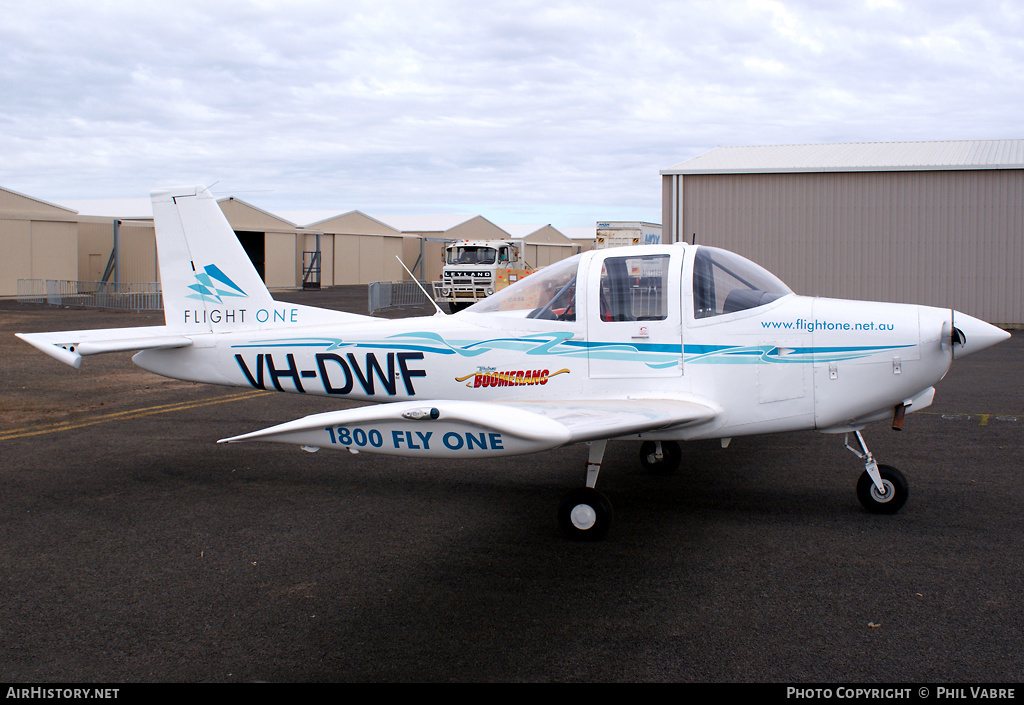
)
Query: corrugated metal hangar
[
  {"x": 935, "y": 223},
  {"x": 75, "y": 242}
]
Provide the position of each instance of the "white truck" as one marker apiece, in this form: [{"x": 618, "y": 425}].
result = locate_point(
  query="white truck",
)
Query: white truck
[
  {"x": 475, "y": 269},
  {"x": 622, "y": 233}
]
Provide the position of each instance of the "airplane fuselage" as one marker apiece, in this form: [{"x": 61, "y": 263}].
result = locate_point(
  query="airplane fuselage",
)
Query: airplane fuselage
[{"x": 795, "y": 363}]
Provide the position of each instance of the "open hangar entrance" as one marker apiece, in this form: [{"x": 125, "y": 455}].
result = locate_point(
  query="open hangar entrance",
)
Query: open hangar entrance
[{"x": 255, "y": 246}]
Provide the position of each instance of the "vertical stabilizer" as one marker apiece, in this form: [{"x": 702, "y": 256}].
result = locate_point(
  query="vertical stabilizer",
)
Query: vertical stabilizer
[{"x": 207, "y": 279}]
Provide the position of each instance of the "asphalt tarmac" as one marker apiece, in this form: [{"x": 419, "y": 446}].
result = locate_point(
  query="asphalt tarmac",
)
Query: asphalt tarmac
[{"x": 135, "y": 549}]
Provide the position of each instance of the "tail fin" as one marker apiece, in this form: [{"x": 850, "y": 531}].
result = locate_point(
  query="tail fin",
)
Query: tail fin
[
  {"x": 208, "y": 281},
  {"x": 206, "y": 277}
]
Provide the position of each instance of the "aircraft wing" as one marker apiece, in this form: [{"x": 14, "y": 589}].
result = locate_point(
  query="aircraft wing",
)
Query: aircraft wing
[
  {"x": 70, "y": 345},
  {"x": 589, "y": 420},
  {"x": 448, "y": 428}
]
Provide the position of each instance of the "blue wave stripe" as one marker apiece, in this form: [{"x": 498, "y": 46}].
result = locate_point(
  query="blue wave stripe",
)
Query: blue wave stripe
[{"x": 560, "y": 344}]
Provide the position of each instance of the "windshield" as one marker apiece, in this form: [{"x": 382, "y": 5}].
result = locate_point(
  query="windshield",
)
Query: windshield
[
  {"x": 547, "y": 293},
  {"x": 469, "y": 254}
]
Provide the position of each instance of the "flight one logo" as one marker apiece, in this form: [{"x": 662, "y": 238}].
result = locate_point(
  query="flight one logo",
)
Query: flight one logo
[{"x": 214, "y": 286}]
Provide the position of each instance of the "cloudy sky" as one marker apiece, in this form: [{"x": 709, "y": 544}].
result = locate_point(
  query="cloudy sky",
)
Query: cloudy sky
[{"x": 522, "y": 111}]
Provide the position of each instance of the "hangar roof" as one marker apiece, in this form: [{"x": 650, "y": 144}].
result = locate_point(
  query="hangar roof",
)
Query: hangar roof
[
  {"x": 425, "y": 223},
  {"x": 128, "y": 208},
  {"x": 349, "y": 222},
  {"x": 14, "y": 201},
  {"x": 536, "y": 234},
  {"x": 857, "y": 156}
]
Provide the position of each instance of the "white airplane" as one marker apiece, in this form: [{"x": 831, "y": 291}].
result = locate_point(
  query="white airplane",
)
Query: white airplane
[{"x": 661, "y": 343}]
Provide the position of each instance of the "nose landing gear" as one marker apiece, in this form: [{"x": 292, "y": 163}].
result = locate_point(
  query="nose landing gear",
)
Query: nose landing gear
[{"x": 881, "y": 489}]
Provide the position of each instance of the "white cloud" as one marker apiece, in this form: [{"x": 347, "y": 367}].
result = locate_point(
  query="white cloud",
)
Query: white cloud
[{"x": 545, "y": 110}]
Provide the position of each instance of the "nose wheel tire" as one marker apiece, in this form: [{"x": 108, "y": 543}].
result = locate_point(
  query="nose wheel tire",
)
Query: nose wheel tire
[
  {"x": 585, "y": 515},
  {"x": 889, "y": 502}
]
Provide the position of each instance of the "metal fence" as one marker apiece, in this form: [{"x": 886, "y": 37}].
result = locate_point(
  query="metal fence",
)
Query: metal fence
[
  {"x": 123, "y": 296},
  {"x": 396, "y": 295}
]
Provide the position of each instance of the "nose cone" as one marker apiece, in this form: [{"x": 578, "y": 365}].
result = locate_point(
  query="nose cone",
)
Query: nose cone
[{"x": 971, "y": 335}]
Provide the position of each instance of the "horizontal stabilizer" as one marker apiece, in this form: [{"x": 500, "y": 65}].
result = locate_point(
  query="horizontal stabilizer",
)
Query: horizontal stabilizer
[
  {"x": 448, "y": 428},
  {"x": 69, "y": 346}
]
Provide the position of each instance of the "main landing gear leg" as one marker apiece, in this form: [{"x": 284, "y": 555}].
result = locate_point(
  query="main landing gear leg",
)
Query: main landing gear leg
[
  {"x": 881, "y": 489},
  {"x": 586, "y": 514}
]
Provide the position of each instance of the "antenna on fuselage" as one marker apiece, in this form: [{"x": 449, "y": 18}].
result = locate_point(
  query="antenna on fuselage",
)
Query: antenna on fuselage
[{"x": 429, "y": 297}]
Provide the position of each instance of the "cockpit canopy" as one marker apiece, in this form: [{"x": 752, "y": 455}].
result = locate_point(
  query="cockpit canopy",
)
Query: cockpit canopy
[
  {"x": 551, "y": 288},
  {"x": 635, "y": 286},
  {"x": 724, "y": 282}
]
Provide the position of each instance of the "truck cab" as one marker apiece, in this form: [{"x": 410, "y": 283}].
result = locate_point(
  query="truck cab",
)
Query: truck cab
[{"x": 475, "y": 269}]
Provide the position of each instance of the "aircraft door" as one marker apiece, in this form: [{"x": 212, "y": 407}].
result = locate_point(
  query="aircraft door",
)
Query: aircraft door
[{"x": 633, "y": 315}]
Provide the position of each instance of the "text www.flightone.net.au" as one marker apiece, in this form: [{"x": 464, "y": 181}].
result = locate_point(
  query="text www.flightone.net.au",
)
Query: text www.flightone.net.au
[{"x": 803, "y": 324}]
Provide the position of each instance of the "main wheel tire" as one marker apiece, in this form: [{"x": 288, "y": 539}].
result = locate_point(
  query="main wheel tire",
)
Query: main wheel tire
[
  {"x": 671, "y": 453},
  {"x": 895, "y": 495},
  {"x": 585, "y": 515}
]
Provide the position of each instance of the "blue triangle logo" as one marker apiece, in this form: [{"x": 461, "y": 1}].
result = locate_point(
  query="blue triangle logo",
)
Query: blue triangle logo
[{"x": 214, "y": 285}]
